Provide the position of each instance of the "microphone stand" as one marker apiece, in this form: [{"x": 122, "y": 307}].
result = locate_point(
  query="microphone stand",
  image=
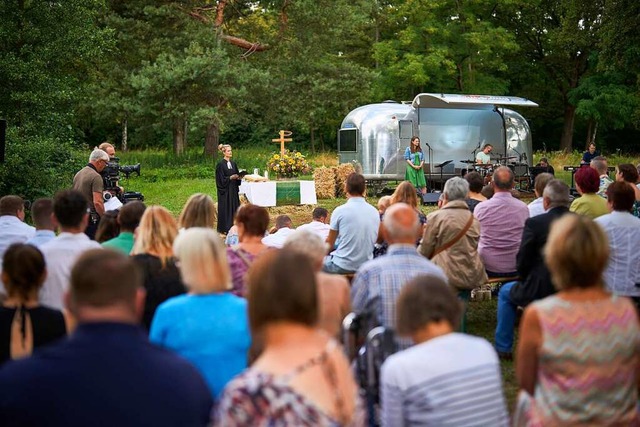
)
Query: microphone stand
[
  {"x": 430, "y": 152},
  {"x": 473, "y": 153}
]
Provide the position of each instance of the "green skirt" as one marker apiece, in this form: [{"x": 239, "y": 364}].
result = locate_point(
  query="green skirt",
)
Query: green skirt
[{"x": 416, "y": 177}]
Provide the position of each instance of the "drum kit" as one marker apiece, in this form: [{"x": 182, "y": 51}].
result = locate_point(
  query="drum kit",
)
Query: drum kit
[{"x": 486, "y": 169}]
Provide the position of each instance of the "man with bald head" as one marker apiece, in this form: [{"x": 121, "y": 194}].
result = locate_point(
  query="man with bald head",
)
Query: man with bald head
[
  {"x": 502, "y": 220},
  {"x": 378, "y": 282}
]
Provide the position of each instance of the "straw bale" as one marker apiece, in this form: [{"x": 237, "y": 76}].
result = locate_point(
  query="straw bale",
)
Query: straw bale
[
  {"x": 325, "y": 182},
  {"x": 342, "y": 171}
]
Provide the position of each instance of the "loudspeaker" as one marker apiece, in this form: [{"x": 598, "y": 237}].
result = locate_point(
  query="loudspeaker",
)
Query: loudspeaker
[
  {"x": 3, "y": 138},
  {"x": 430, "y": 198}
]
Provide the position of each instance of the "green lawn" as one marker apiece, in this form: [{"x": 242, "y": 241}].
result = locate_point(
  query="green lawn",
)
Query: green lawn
[
  {"x": 481, "y": 321},
  {"x": 169, "y": 182}
]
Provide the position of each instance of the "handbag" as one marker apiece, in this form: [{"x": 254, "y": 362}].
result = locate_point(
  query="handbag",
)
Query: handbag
[{"x": 456, "y": 238}]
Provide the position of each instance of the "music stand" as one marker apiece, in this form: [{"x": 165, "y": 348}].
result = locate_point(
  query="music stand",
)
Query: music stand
[{"x": 442, "y": 165}]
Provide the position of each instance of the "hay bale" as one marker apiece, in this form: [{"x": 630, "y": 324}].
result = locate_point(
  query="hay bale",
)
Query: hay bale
[
  {"x": 342, "y": 171},
  {"x": 325, "y": 183}
]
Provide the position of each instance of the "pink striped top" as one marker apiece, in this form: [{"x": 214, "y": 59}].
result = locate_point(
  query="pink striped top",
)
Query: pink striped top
[{"x": 587, "y": 371}]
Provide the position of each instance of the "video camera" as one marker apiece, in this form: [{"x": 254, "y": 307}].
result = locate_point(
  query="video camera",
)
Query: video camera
[{"x": 111, "y": 176}]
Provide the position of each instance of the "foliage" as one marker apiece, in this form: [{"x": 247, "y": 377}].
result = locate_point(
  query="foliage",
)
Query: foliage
[
  {"x": 312, "y": 80},
  {"x": 443, "y": 46},
  {"x": 606, "y": 99},
  {"x": 289, "y": 165},
  {"x": 558, "y": 38},
  {"x": 38, "y": 166},
  {"x": 164, "y": 73},
  {"x": 46, "y": 49}
]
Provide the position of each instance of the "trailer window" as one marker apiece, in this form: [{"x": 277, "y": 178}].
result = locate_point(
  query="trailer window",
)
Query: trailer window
[
  {"x": 406, "y": 129},
  {"x": 347, "y": 140}
]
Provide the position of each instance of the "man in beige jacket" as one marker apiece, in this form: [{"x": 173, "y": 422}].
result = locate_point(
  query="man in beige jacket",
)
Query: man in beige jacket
[{"x": 451, "y": 238}]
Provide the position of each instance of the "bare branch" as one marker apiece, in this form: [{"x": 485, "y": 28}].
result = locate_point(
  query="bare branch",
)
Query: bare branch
[
  {"x": 284, "y": 18},
  {"x": 236, "y": 41},
  {"x": 220, "y": 13}
]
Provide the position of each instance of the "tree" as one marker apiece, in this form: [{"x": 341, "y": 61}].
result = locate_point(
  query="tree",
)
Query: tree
[
  {"x": 442, "y": 46},
  {"x": 313, "y": 82},
  {"x": 605, "y": 99},
  {"x": 170, "y": 70},
  {"x": 558, "y": 38},
  {"x": 46, "y": 49}
]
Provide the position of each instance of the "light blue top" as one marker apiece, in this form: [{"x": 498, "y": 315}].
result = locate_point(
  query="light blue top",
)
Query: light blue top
[
  {"x": 211, "y": 331},
  {"x": 41, "y": 237},
  {"x": 622, "y": 274},
  {"x": 408, "y": 155},
  {"x": 357, "y": 224}
]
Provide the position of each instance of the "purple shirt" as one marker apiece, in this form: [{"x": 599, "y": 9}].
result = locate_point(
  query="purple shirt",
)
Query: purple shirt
[
  {"x": 502, "y": 220},
  {"x": 239, "y": 262}
]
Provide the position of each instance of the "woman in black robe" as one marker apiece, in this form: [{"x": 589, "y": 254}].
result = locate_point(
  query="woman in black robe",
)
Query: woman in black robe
[{"x": 228, "y": 183}]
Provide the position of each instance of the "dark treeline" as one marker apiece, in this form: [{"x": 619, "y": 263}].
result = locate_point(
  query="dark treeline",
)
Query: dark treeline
[{"x": 173, "y": 74}]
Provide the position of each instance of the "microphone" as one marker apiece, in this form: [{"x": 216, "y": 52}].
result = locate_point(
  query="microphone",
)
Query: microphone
[{"x": 519, "y": 155}]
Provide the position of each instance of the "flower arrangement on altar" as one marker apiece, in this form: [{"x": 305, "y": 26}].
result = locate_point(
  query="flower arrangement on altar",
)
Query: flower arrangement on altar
[{"x": 289, "y": 165}]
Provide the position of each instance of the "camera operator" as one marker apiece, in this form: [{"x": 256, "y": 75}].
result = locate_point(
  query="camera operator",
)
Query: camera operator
[
  {"x": 110, "y": 174},
  {"x": 88, "y": 181},
  {"x": 108, "y": 148}
]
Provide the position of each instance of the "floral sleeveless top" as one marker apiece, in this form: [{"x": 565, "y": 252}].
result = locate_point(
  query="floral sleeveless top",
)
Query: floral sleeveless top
[{"x": 258, "y": 399}]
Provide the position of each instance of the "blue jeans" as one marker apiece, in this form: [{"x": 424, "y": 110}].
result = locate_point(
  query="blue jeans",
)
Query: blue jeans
[
  {"x": 330, "y": 267},
  {"x": 506, "y": 319}
]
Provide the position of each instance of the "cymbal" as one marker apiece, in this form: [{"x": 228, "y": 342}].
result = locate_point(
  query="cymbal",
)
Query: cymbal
[
  {"x": 470, "y": 162},
  {"x": 504, "y": 158}
]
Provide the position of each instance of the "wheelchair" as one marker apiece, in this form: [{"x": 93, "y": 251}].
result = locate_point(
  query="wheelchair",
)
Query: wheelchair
[{"x": 368, "y": 347}]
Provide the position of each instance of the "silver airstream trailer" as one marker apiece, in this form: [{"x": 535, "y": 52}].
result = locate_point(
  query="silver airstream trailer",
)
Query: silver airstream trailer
[{"x": 452, "y": 129}]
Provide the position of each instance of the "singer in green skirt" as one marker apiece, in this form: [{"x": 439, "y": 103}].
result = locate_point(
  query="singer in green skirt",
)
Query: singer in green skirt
[{"x": 415, "y": 160}]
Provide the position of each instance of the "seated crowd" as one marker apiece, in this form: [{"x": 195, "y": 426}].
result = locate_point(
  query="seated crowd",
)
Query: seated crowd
[{"x": 169, "y": 323}]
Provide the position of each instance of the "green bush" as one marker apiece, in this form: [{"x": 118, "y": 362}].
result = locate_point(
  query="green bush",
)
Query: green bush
[{"x": 38, "y": 166}]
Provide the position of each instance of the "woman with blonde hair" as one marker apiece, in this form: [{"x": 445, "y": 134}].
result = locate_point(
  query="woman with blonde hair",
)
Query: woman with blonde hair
[
  {"x": 578, "y": 354},
  {"x": 209, "y": 325},
  {"x": 302, "y": 377},
  {"x": 199, "y": 211},
  {"x": 405, "y": 193},
  {"x": 153, "y": 253}
]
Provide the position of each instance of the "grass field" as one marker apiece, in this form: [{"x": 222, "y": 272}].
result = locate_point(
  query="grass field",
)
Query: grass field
[{"x": 169, "y": 181}]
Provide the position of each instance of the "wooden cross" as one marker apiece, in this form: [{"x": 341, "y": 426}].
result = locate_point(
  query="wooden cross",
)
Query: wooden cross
[{"x": 282, "y": 140}]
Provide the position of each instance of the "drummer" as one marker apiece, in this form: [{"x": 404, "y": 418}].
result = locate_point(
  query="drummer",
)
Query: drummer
[{"x": 483, "y": 158}]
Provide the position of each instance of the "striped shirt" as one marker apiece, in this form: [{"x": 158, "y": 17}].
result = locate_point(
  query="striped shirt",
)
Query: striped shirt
[{"x": 451, "y": 380}]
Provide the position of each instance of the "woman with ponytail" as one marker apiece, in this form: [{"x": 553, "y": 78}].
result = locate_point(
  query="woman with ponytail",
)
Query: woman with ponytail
[{"x": 25, "y": 324}]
